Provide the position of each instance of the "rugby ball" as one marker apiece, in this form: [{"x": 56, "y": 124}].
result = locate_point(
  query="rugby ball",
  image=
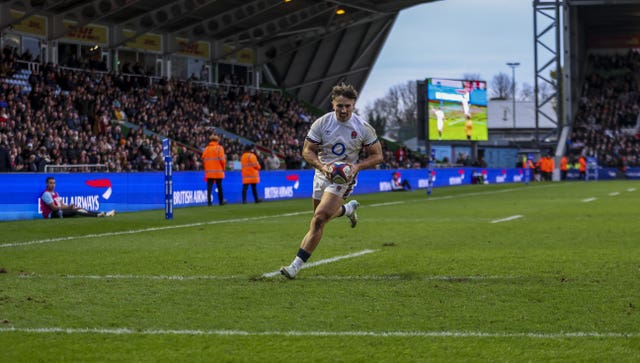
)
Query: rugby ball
[{"x": 341, "y": 173}]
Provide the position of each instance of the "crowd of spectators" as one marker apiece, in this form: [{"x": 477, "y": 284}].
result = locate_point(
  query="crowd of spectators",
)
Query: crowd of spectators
[
  {"x": 9, "y": 61},
  {"x": 608, "y": 111},
  {"x": 85, "y": 117},
  {"x": 88, "y": 117}
]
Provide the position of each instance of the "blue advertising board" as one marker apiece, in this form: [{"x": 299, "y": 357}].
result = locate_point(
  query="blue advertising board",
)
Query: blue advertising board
[{"x": 129, "y": 192}]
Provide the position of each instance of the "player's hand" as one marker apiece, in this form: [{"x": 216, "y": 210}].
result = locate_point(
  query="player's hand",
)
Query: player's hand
[{"x": 326, "y": 170}]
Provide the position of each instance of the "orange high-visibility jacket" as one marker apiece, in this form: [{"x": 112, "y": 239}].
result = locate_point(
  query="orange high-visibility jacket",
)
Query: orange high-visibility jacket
[
  {"x": 250, "y": 168},
  {"x": 214, "y": 160},
  {"x": 563, "y": 163},
  {"x": 583, "y": 164},
  {"x": 543, "y": 164},
  {"x": 548, "y": 165}
]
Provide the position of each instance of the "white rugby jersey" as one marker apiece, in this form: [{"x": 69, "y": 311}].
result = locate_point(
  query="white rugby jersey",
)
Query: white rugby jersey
[{"x": 341, "y": 141}]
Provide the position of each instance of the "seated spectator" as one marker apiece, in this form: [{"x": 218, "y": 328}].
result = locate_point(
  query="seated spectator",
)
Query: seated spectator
[
  {"x": 398, "y": 184},
  {"x": 53, "y": 207}
]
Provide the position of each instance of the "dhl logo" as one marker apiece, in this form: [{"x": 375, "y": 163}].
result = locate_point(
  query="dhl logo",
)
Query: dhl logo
[
  {"x": 189, "y": 48},
  {"x": 34, "y": 24},
  {"x": 82, "y": 33}
]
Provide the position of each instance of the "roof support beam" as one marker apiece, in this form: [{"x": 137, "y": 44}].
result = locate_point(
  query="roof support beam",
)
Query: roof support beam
[{"x": 159, "y": 17}]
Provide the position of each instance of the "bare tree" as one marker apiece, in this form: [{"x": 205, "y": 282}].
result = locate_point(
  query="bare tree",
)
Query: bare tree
[
  {"x": 397, "y": 110},
  {"x": 471, "y": 76},
  {"x": 526, "y": 93},
  {"x": 545, "y": 90},
  {"x": 501, "y": 86},
  {"x": 376, "y": 119}
]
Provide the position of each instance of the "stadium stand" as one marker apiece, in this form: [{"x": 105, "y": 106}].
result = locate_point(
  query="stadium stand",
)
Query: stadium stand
[
  {"x": 607, "y": 119},
  {"x": 58, "y": 115},
  {"x": 62, "y": 116}
]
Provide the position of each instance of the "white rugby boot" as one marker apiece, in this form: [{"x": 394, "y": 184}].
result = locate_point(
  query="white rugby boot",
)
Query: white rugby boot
[
  {"x": 353, "y": 216},
  {"x": 289, "y": 272}
]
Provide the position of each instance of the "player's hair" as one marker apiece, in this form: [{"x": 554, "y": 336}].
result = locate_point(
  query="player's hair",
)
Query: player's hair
[
  {"x": 344, "y": 90},
  {"x": 49, "y": 178}
]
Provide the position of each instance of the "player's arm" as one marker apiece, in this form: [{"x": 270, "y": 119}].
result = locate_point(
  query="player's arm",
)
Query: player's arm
[
  {"x": 374, "y": 157},
  {"x": 310, "y": 154},
  {"x": 47, "y": 199}
]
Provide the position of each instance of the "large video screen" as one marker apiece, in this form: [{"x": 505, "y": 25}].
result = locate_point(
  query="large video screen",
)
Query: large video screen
[{"x": 457, "y": 109}]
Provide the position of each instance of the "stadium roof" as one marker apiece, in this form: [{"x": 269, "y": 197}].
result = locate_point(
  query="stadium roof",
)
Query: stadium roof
[
  {"x": 609, "y": 16},
  {"x": 304, "y": 45}
]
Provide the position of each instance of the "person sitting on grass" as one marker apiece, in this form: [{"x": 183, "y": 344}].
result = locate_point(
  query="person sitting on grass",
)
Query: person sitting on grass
[
  {"x": 398, "y": 184},
  {"x": 52, "y": 205}
]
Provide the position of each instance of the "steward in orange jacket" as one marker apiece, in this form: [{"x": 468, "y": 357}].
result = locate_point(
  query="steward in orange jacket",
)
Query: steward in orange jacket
[
  {"x": 546, "y": 167},
  {"x": 582, "y": 161},
  {"x": 563, "y": 167},
  {"x": 250, "y": 174},
  {"x": 215, "y": 162}
]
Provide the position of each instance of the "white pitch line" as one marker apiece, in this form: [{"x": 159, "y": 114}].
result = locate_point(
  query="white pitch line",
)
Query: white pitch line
[
  {"x": 235, "y": 220},
  {"x": 245, "y": 277},
  {"x": 587, "y": 200},
  {"x": 151, "y": 229},
  {"x": 151, "y": 277},
  {"x": 613, "y": 194},
  {"x": 296, "y": 333},
  {"x": 409, "y": 278},
  {"x": 517, "y": 216},
  {"x": 631, "y": 189},
  {"x": 386, "y": 204},
  {"x": 322, "y": 262}
]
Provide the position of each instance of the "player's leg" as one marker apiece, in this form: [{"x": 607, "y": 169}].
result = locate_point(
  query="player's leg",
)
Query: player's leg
[
  {"x": 83, "y": 213},
  {"x": 329, "y": 207}
]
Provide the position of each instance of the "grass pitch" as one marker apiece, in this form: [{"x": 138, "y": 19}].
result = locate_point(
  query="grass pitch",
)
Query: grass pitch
[{"x": 545, "y": 272}]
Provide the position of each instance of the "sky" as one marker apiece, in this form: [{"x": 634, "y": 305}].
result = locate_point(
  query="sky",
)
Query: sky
[{"x": 449, "y": 38}]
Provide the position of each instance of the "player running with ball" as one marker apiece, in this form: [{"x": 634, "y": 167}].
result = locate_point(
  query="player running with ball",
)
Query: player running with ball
[{"x": 336, "y": 136}]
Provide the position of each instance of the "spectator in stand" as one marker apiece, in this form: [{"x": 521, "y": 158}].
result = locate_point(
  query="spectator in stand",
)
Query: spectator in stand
[
  {"x": 273, "y": 161},
  {"x": 5, "y": 158},
  {"x": 401, "y": 155}
]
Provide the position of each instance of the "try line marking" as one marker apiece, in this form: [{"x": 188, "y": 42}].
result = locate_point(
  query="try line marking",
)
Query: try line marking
[
  {"x": 322, "y": 262},
  {"x": 517, "y": 216},
  {"x": 297, "y": 333}
]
